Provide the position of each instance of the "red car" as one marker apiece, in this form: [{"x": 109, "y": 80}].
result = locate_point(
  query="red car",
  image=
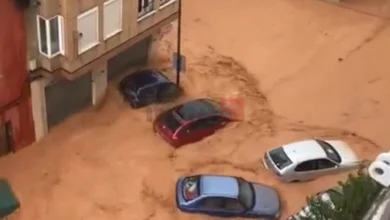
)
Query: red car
[{"x": 191, "y": 122}]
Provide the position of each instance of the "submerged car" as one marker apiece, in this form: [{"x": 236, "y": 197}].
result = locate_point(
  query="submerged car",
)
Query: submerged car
[
  {"x": 310, "y": 159},
  {"x": 146, "y": 87},
  {"x": 328, "y": 196},
  {"x": 227, "y": 196},
  {"x": 192, "y": 121}
]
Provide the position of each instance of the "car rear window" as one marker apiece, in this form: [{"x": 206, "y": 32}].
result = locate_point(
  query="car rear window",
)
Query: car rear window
[
  {"x": 196, "y": 109},
  {"x": 191, "y": 188},
  {"x": 280, "y": 158},
  {"x": 331, "y": 153},
  {"x": 172, "y": 122}
]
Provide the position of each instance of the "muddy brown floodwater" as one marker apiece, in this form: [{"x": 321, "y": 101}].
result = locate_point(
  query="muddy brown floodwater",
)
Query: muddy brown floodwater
[{"x": 303, "y": 68}]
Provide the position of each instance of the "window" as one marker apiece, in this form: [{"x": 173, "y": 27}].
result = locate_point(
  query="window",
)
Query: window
[
  {"x": 164, "y": 3},
  {"x": 172, "y": 122},
  {"x": 306, "y": 166},
  {"x": 280, "y": 158},
  {"x": 245, "y": 193},
  {"x": 191, "y": 188},
  {"x": 331, "y": 153},
  {"x": 233, "y": 205},
  {"x": 148, "y": 93},
  {"x": 50, "y": 36},
  {"x": 196, "y": 109},
  {"x": 199, "y": 124},
  {"x": 212, "y": 203},
  {"x": 215, "y": 121},
  {"x": 145, "y": 8},
  {"x": 88, "y": 29},
  {"x": 112, "y": 18},
  {"x": 325, "y": 164}
]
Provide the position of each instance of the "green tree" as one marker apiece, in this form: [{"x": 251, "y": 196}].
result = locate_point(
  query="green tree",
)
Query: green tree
[{"x": 359, "y": 192}]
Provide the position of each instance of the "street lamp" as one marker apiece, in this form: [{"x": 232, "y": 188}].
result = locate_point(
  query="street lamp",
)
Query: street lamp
[{"x": 178, "y": 57}]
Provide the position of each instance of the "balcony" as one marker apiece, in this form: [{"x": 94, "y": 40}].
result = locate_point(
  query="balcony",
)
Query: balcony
[{"x": 74, "y": 35}]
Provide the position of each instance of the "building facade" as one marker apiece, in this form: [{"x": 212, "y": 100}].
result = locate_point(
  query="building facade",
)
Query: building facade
[
  {"x": 16, "y": 122},
  {"x": 77, "y": 46}
]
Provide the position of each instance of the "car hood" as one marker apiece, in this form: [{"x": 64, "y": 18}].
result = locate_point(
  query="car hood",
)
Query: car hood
[
  {"x": 346, "y": 153},
  {"x": 267, "y": 201}
]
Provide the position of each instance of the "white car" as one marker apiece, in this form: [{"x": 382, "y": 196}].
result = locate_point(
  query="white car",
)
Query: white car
[
  {"x": 309, "y": 159},
  {"x": 328, "y": 196}
]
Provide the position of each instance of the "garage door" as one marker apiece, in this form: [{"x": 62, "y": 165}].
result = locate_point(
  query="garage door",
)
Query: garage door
[
  {"x": 134, "y": 56},
  {"x": 65, "y": 98}
]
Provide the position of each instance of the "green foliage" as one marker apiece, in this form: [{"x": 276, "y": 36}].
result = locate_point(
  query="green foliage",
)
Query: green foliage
[{"x": 359, "y": 192}]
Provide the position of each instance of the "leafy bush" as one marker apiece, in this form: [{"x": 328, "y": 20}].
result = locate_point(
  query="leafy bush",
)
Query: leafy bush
[{"x": 359, "y": 193}]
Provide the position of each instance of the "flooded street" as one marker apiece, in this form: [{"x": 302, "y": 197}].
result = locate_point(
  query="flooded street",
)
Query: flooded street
[{"x": 303, "y": 68}]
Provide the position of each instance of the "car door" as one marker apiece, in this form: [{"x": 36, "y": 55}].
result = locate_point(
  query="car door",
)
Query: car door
[
  {"x": 325, "y": 166},
  {"x": 166, "y": 92},
  {"x": 195, "y": 131},
  {"x": 234, "y": 207},
  {"x": 212, "y": 206},
  {"x": 305, "y": 171}
]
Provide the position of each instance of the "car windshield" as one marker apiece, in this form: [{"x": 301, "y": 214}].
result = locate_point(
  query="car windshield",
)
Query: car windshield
[
  {"x": 172, "y": 122},
  {"x": 146, "y": 77},
  {"x": 280, "y": 158},
  {"x": 245, "y": 193},
  {"x": 331, "y": 153},
  {"x": 191, "y": 188}
]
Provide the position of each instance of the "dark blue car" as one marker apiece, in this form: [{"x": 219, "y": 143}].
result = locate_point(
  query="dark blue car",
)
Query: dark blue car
[
  {"x": 146, "y": 87},
  {"x": 227, "y": 196}
]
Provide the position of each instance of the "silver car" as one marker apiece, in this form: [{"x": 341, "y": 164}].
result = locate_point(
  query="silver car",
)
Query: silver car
[{"x": 310, "y": 159}]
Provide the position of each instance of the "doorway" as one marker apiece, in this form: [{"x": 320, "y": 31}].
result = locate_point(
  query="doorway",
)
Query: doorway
[{"x": 6, "y": 138}]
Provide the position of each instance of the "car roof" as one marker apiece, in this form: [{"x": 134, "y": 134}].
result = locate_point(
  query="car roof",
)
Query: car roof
[
  {"x": 146, "y": 77},
  {"x": 304, "y": 150},
  {"x": 223, "y": 186},
  {"x": 198, "y": 108}
]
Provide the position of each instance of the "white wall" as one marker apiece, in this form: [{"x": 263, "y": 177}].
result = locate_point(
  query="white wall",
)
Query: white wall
[{"x": 38, "y": 103}]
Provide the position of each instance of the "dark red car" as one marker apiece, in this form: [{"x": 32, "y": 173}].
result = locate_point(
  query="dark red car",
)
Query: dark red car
[{"x": 191, "y": 122}]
